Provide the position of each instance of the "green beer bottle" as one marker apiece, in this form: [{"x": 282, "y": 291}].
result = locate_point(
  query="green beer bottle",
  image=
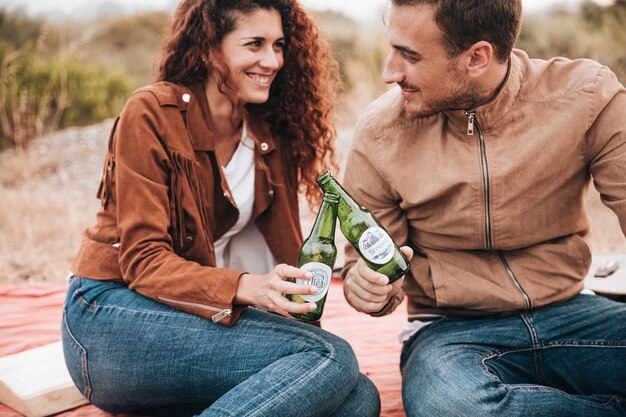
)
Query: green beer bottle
[
  {"x": 317, "y": 255},
  {"x": 365, "y": 233}
]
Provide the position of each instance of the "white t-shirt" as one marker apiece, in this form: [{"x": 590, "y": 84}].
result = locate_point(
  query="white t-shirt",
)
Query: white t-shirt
[{"x": 243, "y": 247}]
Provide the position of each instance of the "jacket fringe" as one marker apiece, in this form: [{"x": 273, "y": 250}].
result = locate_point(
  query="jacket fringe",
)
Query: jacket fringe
[
  {"x": 183, "y": 167},
  {"x": 104, "y": 190}
]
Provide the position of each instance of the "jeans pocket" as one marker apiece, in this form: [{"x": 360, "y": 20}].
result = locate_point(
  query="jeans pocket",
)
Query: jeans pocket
[
  {"x": 85, "y": 292},
  {"x": 75, "y": 359}
]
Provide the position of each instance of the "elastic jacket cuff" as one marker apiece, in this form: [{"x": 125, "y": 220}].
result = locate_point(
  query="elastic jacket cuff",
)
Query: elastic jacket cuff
[{"x": 391, "y": 305}]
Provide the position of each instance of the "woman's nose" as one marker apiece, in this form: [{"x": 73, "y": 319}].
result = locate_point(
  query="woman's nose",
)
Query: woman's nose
[{"x": 271, "y": 59}]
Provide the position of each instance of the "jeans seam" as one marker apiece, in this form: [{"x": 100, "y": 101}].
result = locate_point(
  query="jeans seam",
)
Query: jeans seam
[
  {"x": 83, "y": 359},
  {"x": 222, "y": 412},
  {"x": 606, "y": 405},
  {"x": 174, "y": 313},
  {"x": 537, "y": 357},
  {"x": 584, "y": 343},
  {"x": 483, "y": 367}
]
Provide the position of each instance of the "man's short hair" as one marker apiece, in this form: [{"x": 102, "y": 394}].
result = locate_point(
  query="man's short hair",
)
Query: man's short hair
[{"x": 465, "y": 22}]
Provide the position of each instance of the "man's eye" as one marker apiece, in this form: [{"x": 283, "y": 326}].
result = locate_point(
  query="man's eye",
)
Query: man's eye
[{"x": 407, "y": 57}]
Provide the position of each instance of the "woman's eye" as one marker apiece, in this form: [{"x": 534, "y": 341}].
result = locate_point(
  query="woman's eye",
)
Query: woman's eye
[
  {"x": 256, "y": 44},
  {"x": 279, "y": 45}
]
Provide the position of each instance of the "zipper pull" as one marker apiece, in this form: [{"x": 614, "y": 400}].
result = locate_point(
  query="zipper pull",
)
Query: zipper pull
[
  {"x": 470, "y": 123},
  {"x": 221, "y": 315}
]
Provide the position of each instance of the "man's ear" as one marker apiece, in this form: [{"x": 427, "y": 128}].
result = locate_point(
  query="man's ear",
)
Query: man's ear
[{"x": 481, "y": 56}]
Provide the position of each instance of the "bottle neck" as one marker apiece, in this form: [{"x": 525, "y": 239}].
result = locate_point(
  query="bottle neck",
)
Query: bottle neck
[
  {"x": 324, "y": 226},
  {"x": 330, "y": 185}
]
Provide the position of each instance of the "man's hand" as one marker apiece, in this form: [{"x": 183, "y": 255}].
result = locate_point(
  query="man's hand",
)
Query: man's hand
[{"x": 368, "y": 291}]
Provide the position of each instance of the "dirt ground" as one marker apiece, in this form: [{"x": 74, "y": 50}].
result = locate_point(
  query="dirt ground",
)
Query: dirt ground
[{"x": 47, "y": 198}]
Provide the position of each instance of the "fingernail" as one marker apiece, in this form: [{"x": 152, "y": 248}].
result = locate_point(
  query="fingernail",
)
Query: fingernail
[
  {"x": 312, "y": 307},
  {"x": 308, "y": 275},
  {"x": 383, "y": 280},
  {"x": 313, "y": 290}
]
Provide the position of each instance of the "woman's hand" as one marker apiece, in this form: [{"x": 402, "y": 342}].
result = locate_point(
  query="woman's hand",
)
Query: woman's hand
[{"x": 268, "y": 291}]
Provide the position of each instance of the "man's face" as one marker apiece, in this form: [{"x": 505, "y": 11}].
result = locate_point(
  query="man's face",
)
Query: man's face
[{"x": 430, "y": 80}]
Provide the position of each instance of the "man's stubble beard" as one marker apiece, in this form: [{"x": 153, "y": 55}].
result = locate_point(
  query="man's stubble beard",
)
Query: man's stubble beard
[{"x": 464, "y": 97}]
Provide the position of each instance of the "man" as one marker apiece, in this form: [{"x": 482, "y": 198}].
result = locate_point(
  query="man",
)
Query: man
[{"x": 479, "y": 160}]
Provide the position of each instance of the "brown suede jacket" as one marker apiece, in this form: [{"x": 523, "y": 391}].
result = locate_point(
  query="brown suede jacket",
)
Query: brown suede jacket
[
  {"x": 165, "y": 201},
  {"x": 492, "y": 199}
]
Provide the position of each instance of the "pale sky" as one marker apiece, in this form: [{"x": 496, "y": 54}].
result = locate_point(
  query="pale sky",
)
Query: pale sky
[{"x": 362, "y": 10}]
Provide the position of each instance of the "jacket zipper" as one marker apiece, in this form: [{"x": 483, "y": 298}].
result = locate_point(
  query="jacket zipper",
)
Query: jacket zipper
[
  {"x": 527, "y": 301},
  {"x": 472, "y": 125},
  {"x": 221, "y": 312}
]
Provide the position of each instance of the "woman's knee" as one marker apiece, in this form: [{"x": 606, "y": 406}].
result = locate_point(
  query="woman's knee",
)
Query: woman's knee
[
  {"x": 366, "y": 398},
  {"x": 336, "y": 365},
  {"x": 343, "y": 355},
  {"x": 363, "y": 400}
]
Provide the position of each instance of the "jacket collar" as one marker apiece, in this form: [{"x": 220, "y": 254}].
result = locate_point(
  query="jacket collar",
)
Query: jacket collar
[
  {"x": 490, "y": 113},
  {"x": 198, "y": 115},
  {"x": 192, "y": 103}
]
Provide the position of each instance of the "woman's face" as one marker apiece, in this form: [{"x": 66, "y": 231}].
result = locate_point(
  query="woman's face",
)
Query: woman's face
[{"x": 253, "y": 53}]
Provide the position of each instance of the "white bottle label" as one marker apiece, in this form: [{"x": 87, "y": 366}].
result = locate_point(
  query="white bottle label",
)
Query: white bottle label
[
  {"x": 321, "y": 279},
  {"x": 376, "y": 245}
]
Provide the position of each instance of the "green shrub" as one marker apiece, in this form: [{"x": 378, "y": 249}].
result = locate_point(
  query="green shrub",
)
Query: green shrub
[
  {"x": 94, "y": 93},
  {"x": 39, "y": 94}
]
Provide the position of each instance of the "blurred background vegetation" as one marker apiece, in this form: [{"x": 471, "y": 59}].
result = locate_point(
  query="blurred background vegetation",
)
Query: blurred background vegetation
[
  {"x": 77, "y": 74},
  {"x": 56, "y": 75}
]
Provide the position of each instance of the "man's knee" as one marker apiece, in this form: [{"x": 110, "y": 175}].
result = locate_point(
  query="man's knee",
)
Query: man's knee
[{"x": 435, "y": 385}]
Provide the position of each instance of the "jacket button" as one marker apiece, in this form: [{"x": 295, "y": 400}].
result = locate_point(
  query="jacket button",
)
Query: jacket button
[
  {"x": 186, "y": 97},
  {"x": 264, "y": 146}
]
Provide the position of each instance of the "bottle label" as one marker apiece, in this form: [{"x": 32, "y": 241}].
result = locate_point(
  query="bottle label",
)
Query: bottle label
[
  {"x": 321, "y": 279},
  {"x": 376, "y": 245}
]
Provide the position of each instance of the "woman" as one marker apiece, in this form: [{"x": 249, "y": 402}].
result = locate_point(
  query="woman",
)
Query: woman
[{"x": 199, "y": 203}]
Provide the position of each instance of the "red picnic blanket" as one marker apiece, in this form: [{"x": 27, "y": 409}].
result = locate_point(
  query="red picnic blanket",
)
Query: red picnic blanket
[{"x": 30, "y": 316}]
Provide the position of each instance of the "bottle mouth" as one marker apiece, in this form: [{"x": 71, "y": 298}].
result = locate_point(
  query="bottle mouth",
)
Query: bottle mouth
[
  {"x": 331, "y": 197},
  {"x": 324, "y": 178}
]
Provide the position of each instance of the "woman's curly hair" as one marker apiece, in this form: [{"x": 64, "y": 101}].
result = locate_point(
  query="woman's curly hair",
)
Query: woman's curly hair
[{"x": 302, "y": 96}]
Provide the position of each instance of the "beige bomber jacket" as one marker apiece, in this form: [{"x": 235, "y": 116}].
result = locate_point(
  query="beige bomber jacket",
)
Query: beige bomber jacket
[
  {"x": 165, "y": 201},
  {"x": 492, "y": 199}
]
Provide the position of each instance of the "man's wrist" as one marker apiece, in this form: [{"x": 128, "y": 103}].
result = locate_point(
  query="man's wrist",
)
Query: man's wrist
[{"x": 391, "y": 305}]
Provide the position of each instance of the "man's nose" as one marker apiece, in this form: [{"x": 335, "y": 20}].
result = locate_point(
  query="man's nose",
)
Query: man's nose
[{"x": 391, "y": 72}]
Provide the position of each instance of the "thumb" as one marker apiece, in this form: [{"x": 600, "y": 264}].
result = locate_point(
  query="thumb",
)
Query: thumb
[{"x": 407, "y": 251}]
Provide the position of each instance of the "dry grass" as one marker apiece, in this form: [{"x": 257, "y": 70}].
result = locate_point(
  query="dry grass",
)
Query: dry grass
[{"x": 47, "y": 198}]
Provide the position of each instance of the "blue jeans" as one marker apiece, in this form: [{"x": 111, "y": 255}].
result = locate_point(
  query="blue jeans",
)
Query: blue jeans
[
  {"x": 126, "y": 352},
  {"x": 567, "y": 359}
]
